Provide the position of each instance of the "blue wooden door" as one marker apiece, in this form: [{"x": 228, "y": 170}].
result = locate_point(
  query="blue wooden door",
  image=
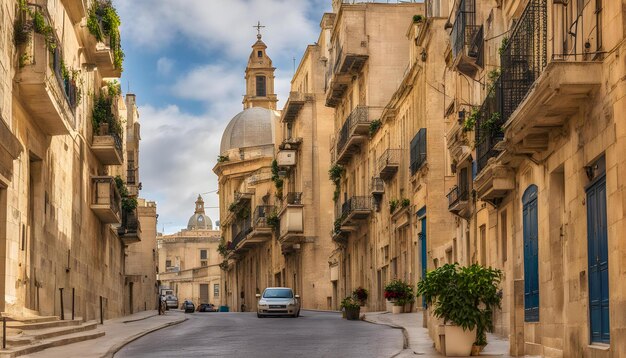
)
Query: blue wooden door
[
  {"x": 598, "y": 261},
  {"x": 421, "y": 214},
  {"x": 531, "y": 260}
]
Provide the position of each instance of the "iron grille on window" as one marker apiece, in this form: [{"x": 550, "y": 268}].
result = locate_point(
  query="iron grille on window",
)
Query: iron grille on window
[{"x": 418, "y": 150}]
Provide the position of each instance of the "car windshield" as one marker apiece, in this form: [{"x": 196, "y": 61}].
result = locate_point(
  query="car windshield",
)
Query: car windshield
[{"x": 278, "y": 293}]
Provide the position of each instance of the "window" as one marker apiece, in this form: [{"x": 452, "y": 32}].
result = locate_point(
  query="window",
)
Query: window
[
  {"x": 503, "y": 236},
  {"x": 204, "y": 258},
  {"x": 483, "y": 245},
  {"x": 168, "y": 263},
  {"x": 261, "y": 91},
  {"x": 216, "y": 290},
  {"x": 418, "y": 150},
  {"x": 259, "y": 54}
]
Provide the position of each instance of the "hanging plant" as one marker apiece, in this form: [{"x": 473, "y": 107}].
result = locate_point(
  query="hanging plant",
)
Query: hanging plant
[
  {"x": 335, "y": 173},
  {"x": 470, "y": 121},
  {"x": 374, "y": 126},
  {"x": 222, "y": 158},
  {"x": 503, "y": 45},
  {"x": 273, "y": 220},
  {"x": 222, "y": 249},
  {"x": 418, "y": 18},
  {"x": 393, "y": 204},
  {"x": 129, "y": 203},
  {"x": 102, "y": 113},
  {"x": 103, "y": 22},
  {"x": 404, "y": 203}
]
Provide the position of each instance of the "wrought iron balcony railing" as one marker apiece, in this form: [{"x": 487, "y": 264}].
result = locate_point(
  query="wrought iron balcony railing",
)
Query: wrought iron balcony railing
[
  {"x": 359, "y": 117},
  {"x": 388, "y": 163},
  {"x": 489, "y": 126},
  {"x": 456, "y": 195},
  {"x": 239, "y": 231},
  {"x": 356, "y": 205},
  {"x": 293, "y": 198},
  {"x": 464, "y": 29},
  {"x": 261, "y": 213}
]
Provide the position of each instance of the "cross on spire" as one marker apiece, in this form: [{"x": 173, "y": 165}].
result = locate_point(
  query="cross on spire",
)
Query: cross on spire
[{"x": 258, "y": 27}]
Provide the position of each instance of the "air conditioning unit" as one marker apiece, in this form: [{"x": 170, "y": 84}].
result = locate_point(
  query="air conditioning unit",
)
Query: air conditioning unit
[{"x": 286, "y": 158}]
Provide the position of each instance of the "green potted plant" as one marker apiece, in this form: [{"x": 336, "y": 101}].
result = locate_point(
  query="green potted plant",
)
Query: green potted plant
[
  {"x": 351, "y": 308},
  {"x": 398, "y": 293},
  {"x": 464, "y": 298}
]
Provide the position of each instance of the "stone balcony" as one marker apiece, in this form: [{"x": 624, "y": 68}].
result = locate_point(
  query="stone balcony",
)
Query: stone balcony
[
  {"x": 107, "y": 146},
  {"x": 130, "y": 230},
  {"x": 261, "y": 231},
  {"x": 105, "y": 199},
  {"x": 348, "y": 56},
  {"x": 101, "y": 53},
  {"x": 554, "y": 97},
  {"x": 286, "y": 158},
  {"x": 494, "y": 182},
  {"x": 294, "y": 104},
  {"x": 76, "y": 9},
  {"x": 49, "y": 98},
  {"x": 291, "y": 218},
  {"x": 377, "y": 187},
  {"x": 388, "y": 163}
]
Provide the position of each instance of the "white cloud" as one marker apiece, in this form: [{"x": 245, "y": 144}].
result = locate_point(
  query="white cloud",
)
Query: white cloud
[
  {"x": 218, "y": 25},
  {"x": 164, "y": 66},
  {"x": 210, "y": 83}
]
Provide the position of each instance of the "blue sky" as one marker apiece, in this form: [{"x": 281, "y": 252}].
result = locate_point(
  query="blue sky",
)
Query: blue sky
[{"x": 185, "y": 61}]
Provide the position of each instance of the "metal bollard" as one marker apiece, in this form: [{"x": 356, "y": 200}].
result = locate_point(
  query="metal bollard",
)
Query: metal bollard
[
  {"x": 4, "y": 332},
  {"x": 62, "y": 310},
  {"x": 73, "y": 296},
  {"x": 101, "y": 313}
]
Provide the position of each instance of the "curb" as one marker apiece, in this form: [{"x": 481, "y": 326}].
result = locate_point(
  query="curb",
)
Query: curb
[
  {"x": 140, "y": 319},
  {"x": 405, "y": 334},
  {"x": 128, "y": 340},
  {"x": 314, "y": 310}
]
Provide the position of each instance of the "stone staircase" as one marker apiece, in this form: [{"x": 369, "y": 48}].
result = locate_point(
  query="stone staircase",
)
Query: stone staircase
[{"x": 33, "y": 334}]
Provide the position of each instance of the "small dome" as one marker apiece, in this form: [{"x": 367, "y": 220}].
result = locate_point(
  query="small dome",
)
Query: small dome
[
  {"x": 252, "y": 127},
  {"x": 199, "y": 220}
]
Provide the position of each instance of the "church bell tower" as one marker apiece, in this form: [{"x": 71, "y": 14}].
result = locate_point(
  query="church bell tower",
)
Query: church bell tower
[{"x": 259, "y": 77}]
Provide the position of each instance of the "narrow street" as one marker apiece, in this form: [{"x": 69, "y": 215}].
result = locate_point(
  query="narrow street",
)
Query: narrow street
[{"x": 313, "y": 334}]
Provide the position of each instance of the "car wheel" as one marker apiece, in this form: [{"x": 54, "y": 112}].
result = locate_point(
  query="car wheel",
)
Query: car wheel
[
  {"x": 298, "y": 313},
  {"x": 258, "y": 315}
]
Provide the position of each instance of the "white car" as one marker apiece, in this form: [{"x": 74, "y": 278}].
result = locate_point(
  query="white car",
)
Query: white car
[{"x": 278, "y": 301}]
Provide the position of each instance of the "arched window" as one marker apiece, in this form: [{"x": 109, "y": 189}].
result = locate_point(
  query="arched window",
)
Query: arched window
[
  {"x": 261, "y": 90},
  {"x": 531, "y": 259}
]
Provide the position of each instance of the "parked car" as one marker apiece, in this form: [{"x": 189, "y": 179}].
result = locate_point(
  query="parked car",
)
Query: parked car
[
  {"x": 206, "y": 307},
  {"x": 277, "y": 301},
  {"x": 171, "y": 301},
  {"x": 188, "y": 307}
]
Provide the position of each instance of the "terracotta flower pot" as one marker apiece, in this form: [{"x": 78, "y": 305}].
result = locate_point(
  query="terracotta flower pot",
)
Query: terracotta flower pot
[{"x": 397, "y": 309}]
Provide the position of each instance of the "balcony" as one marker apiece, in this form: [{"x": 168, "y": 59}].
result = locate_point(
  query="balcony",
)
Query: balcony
[
  {"x": 49, "y": 97},
  {"x": 291, "y": 143},
  {"x": 291, "y": 218},
  {"x": 240, "y": 231},
  {"x": 356, "y": 208},
  {"x": 494, "y": 182},
  {"x": 348, "y": 56},
  {"x": 458, "y": 201},
  {"x": 240, "y": 197},
  {"x": 541, "y": 95},
  {"x": 107, "y": 146},
  {"x": 466, "y": 39},
  {"x": 105, "y": 199},
  {"x": 286, "y": 158},
  {"x": 130, "y": 230},
  {"x": 102, "y": 51},
  {"x": 489, "y": 123},
  {"x": 388, "y": 163},
  {"x": 353, "y": 133},
  {"x": 377, "y": 186},
  {"x": 294, "y": 104},
  {"x": 76, "y": 9}
]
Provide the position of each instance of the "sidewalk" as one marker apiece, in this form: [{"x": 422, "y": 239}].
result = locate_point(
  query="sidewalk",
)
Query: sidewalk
[
  {"x": 119, "y": 332},
  {"x": 417, "y": 340}
]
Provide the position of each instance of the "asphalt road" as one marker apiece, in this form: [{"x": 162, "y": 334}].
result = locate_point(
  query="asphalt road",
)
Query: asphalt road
[{"x": 313, "y": 334}]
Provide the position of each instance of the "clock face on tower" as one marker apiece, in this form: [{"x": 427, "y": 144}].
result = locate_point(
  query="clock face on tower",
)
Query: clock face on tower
[{"x": 200, "y": 218}]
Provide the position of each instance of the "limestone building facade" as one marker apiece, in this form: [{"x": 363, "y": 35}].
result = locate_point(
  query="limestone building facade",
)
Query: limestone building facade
[
  {"x": 189, "y": 261},
  {"x": 65, "y": 221}
]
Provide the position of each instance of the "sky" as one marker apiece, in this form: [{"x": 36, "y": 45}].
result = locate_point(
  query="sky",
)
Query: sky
[{"x": 185, "y": 61}]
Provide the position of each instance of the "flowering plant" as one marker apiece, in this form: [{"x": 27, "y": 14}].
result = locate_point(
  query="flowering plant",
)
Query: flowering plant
[
  {"x": 360, "y": 294},
  {"x": 398, "y": 290}
]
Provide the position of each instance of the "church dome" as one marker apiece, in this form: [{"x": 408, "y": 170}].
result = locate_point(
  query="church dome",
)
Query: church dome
[
  {"x": 252, "y": 127},
  {"x": 199, "y": 220}
]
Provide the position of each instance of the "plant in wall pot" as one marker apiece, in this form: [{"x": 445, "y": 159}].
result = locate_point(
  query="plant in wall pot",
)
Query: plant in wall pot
[{"x": 464, "y": 298}]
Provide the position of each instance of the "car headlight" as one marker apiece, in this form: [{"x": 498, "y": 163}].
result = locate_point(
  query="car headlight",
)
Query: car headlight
[{"x": 292, "y": 303}]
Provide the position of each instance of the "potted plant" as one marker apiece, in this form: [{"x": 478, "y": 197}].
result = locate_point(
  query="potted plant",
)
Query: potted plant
[
  {"x": 360, "y": 294},
  {"x": 351, "y": 308},
  {"x": 399, "y": 293},
  {"x": 465, "y": 298}
]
